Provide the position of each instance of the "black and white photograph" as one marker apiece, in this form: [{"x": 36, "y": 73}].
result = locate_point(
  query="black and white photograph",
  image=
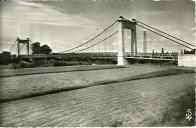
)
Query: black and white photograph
[{"x": 97, "y": 63}]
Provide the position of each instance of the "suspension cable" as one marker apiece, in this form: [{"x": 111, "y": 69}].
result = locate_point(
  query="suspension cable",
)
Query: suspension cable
[
  {"x": 165, "y": 33},
  {"x": 165, "y": 36},
  {"x": 12, "y": 46},
  {"x": 21, "y": 47},
  {"x": 97, "y": 42},
  {"x": 91, "y": 38}
]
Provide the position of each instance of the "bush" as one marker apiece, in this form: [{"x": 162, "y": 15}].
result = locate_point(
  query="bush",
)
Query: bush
[
  {"x": 159, "y": 62},
  {"x": 70, "y": 63},
  {"x": 29, "y": 65},
  {"x": 20, "y": 65},
  {"x": 59, "y": 63},
  {"x": 103, "y": 62},
  {"x": 12, "y": 66}
]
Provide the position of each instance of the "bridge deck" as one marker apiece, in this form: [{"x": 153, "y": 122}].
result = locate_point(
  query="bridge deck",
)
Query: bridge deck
[{"x": 153, "y": 56}]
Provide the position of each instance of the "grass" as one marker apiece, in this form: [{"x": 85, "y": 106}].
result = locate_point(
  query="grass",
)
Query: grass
[
  {"x": 103, "y": 82},
  {"x": 60, "y": 62},
  {"x": 32, "y": 71},
  {"x": 175, "y": 114},
  {"x": 141, "y": 102},
  {"x": 115, "y": 123},
  {"x": 16, "y": 86},
  {"x": 50, "y": 62}
]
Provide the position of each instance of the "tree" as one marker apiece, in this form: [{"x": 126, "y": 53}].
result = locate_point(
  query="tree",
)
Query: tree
[
  {"x": 189, "y": 52},
  {"x": 153, "y": 51},
  {"x": 45, "y": 49},
  {"x": 36, "y": 48},
  {"x": 5, "y": 57}
]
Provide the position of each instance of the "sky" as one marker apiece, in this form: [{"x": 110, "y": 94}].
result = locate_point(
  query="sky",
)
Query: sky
[{"x": 63, "y": 24}]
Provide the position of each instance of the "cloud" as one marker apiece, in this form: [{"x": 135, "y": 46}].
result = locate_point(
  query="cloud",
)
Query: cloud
[
  {"x": 34, "y": 13},
  {"x": 29, "y": 3},
  {"x": 41, "y": 22},
  {"x": 193, "y": 29}
]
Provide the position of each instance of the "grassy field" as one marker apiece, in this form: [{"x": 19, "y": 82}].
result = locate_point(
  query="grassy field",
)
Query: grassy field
[
  {"x": 29, "y": 85},
  {"x": 46, "y": 70},
  {"x": 158, "y": 101}
]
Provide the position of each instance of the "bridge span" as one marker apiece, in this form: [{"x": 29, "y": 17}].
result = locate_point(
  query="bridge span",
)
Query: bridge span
[
  {"x": 147, "y": 56},
  {"x": 110, "y": 43}
]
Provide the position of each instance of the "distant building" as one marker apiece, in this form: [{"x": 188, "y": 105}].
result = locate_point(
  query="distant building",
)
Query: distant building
[{"x": 162, "y": 50}]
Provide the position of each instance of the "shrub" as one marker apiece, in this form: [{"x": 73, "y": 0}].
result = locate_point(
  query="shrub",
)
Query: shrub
[
  {"x": 20, "y": 65},
  {"x": 12, "y": 66},
  {"x": 30, "y": 65},
  {"x": 59, "y": 63}
]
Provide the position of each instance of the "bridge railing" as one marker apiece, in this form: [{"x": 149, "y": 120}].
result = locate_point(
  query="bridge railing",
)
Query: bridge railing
[
  {"x": 74, "y": 55},
  {"x": 163, "y": 56}
]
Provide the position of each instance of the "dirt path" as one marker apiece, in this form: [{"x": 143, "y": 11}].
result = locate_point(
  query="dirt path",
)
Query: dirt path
[{"x": 146, "y": 102}]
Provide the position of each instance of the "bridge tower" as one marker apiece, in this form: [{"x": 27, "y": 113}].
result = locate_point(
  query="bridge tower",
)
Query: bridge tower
[
  {"x": 24, "y": 42},
  {"x": 145, "y": 43},
  {"x": 121, "y": 48},
  {"x": 126, "y": 24}
]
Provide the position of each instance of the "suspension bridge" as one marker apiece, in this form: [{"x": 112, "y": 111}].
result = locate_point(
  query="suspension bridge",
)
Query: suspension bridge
[{"x": 110, "y": 43}]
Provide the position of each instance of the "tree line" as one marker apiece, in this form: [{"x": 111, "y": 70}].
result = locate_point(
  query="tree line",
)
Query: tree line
[{"x": 40, "y": 49}]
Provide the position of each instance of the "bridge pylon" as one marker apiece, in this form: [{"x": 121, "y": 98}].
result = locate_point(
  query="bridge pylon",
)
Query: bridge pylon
[
  {"x": 121, "y": 48},
  {"x": 24, "y": 42},
  {"x": 126, "y": 24}
]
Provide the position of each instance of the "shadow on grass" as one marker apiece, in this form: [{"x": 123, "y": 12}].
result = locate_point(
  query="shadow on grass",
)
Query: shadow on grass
[
  {"x": 105, "y": 82},
  {"x": 115, "y": 123},
  {"x": 176, "y": 115},
  {"x": 69, "y": 70}
]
